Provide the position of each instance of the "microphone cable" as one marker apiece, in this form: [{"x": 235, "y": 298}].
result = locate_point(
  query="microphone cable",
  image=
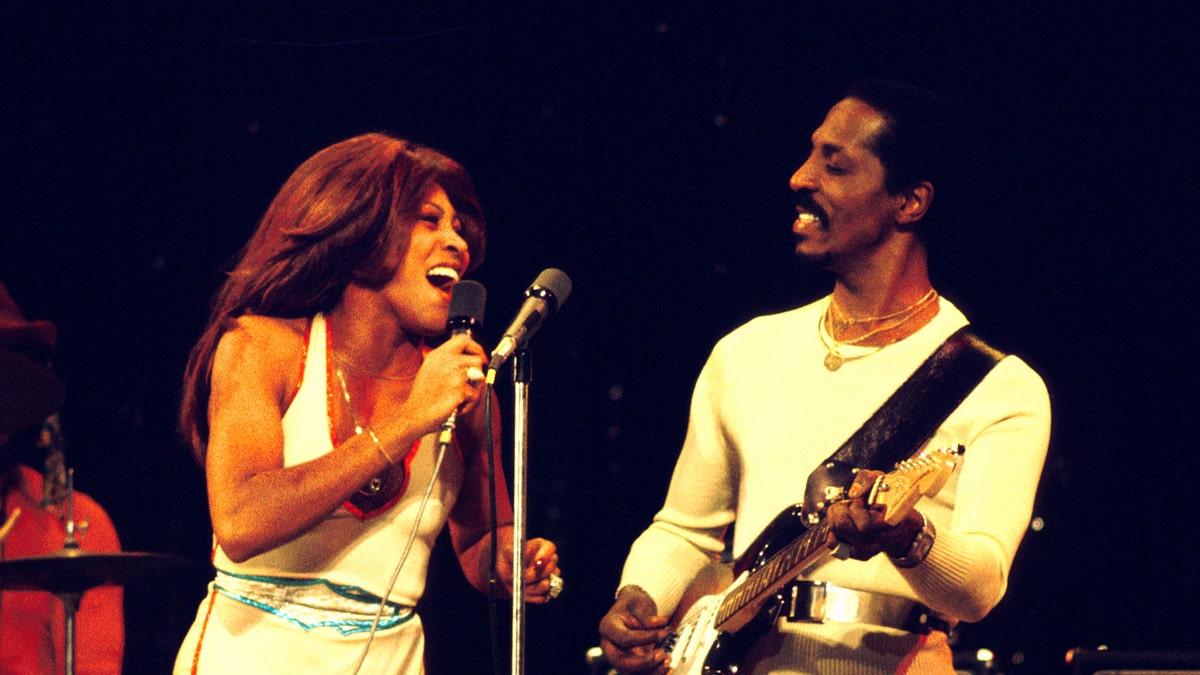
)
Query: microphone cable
[
  {"x": 493, "y": 619},
  {"x": 412, "y": 536}
]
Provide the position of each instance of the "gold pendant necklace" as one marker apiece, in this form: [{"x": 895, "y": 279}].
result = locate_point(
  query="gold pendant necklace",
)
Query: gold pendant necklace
[
  {"x": 833, "y": 358},
  {"x": 375, "y": 485}
]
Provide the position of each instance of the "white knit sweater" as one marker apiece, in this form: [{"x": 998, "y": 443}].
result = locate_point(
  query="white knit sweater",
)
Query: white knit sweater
[{"x": 765, "y": 412}]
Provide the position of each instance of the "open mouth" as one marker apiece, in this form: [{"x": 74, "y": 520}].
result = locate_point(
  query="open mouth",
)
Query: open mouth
[
  {"x": 805, "y": 222},
  {"x": 442, "y": 277},
  {"x": 809, "y": 215}
]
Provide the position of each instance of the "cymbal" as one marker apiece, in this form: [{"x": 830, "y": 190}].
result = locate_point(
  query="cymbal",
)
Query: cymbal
[
  {"x": 75, "y": 570},
  {"x": 29, "y": 392}
]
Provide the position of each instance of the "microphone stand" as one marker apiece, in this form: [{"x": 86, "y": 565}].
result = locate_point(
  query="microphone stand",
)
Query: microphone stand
[{"x": 522, "y": 374}]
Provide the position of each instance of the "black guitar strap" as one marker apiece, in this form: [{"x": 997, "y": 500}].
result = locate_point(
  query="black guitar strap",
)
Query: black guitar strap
[{"x": 908, "y": 418}]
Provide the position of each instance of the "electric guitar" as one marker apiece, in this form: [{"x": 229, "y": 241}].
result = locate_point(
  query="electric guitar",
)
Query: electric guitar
[{"x": 716, "y": 630}]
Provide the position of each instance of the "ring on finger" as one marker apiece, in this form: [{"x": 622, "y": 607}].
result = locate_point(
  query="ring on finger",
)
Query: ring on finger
[
  {"x": 474, "y": 374},
  {"x": 556, "y": 585}
]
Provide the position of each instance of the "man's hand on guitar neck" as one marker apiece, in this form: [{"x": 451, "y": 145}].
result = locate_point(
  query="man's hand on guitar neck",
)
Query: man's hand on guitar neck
[
  {"x": 859, "y": 524},
  {"x": 631, "y": 631}
]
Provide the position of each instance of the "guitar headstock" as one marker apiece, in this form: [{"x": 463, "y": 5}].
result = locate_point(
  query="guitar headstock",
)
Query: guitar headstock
[{"x": 922, "y": 475}]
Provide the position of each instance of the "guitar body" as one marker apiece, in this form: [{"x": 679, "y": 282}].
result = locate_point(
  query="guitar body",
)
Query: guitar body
[
  {"x": 697, "y": 647},
  {"x": 716, "y": 631}
]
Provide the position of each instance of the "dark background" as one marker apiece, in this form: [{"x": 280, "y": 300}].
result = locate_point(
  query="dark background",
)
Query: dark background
[{"x": 644, "y": 148}]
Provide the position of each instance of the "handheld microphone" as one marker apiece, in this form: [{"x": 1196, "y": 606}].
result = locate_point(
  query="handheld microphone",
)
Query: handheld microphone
[
  {"x": 467, "y": 300},
  {"x": 547, "y": 293}
]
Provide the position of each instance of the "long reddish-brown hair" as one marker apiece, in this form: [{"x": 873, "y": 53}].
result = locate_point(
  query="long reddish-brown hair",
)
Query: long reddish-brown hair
[{"x": 341, "y": 217}]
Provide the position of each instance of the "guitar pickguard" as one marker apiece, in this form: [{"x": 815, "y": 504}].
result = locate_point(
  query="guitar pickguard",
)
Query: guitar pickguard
[{"x": 698, "y": 648}]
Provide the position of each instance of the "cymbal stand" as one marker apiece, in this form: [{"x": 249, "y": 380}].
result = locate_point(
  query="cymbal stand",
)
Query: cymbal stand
[
  {"x": 70, "y": 599},
  {"x": 71, "y": 541}
]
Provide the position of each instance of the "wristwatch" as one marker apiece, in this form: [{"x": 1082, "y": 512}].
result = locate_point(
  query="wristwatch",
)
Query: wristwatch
[{"x": 919, "y": 549}]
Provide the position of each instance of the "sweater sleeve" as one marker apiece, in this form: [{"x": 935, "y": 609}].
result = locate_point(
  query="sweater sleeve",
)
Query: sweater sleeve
[
  {"x": 688, "y": 532},
  {"x": 1006, "y": 427}
]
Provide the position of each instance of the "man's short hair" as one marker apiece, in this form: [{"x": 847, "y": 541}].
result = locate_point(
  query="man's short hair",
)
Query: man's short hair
[{"x": 927, "y": 137}]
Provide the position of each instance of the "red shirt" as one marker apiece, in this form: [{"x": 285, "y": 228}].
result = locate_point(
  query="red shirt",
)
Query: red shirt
[{"x": 31, "y": 622}]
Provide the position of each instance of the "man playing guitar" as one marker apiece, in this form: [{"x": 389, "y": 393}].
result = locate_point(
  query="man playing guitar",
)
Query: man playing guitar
[{"x": 782, "y": 392}]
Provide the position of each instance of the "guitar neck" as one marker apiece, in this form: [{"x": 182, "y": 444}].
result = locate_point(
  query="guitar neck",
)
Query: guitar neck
[{"x": 742, "y": 604}]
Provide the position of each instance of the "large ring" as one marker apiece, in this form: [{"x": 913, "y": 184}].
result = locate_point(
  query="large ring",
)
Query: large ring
[
  {"x": 556, "y": 585},
  {"x": 474, "y": 374}
]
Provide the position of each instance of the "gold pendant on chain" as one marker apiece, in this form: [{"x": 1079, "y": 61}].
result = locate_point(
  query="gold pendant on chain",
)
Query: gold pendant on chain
[
  {"x": 833, "y": 361},
  {"x": 373, "y": 487}
]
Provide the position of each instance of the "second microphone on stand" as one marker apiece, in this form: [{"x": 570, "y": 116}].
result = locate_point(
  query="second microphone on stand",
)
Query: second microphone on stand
[{"x": 547, "y": 293}]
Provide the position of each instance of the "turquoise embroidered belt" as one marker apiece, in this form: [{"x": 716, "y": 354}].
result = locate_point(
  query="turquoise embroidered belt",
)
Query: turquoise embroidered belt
[{"x": 312, "y": 603}]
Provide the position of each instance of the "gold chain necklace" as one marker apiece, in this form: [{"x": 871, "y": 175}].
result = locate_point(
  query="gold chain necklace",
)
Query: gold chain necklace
[
  {"x": 841, "y": 322},
  {"x": 355, "y": 367},
  {"x": 375, "y": 485},
  {"x": 834, "y": 359}
]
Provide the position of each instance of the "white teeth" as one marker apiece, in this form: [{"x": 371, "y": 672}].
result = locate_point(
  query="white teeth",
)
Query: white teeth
[
  {"x": 442, "y": 273},
  {"x": 805, "y": 221}
]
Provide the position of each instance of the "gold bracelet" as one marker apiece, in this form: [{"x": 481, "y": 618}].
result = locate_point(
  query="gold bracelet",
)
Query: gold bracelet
[{"x": 379, "y": 446}]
